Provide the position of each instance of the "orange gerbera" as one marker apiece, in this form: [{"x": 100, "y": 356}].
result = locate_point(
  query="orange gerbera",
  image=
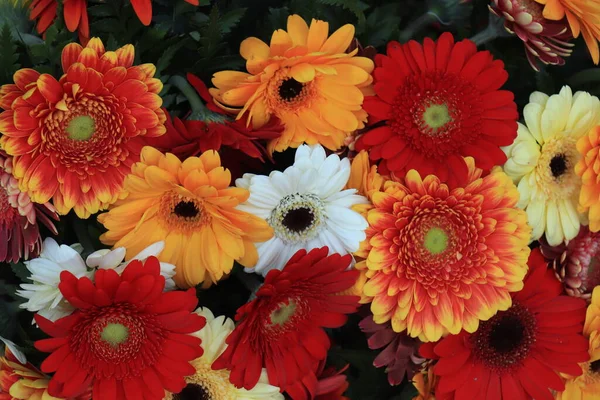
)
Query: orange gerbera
[
  {"x": 583, "y": 17},
  {"x": 191, "y": 207},
  {"x": 75, "y": 139},
  {"x": 589, "y": 197},
  {"x": 304, "y": 78},
  {"x": 443, "y": 259}
]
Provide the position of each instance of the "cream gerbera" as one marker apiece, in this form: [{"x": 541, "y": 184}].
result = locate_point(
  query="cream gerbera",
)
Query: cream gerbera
[
  {"x": 207, "y": 383},
  {"x": 542, "y": 161},
  {"x": 306, "y": 206}
]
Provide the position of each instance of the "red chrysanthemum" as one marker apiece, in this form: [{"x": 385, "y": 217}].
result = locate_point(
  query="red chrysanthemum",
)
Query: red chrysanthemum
[
  {"x": 74, "y": 12},
  {"x": 126, "y": 337},
  {"x": 74, "y": 140},
  {"x": 282, "y": 329},
  {"x": 517, "y": 354},
  {"x": 440, "y": 101},
  {"x": 208, "y": 127},
  {"x": 19, "y": 217}
]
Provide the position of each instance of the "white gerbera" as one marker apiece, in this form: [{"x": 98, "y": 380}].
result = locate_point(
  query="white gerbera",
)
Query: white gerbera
[
  {"x": 115, "y": 259},
  {"x": 306, "y": 206},
  {"x": 207, "y": 383},
  {"x": 43, "y": 295},
  {"x": 542, "y": 159}
]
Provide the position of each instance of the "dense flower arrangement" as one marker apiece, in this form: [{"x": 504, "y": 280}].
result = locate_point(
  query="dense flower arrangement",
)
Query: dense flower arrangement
[{"x": 312, "y": 200}]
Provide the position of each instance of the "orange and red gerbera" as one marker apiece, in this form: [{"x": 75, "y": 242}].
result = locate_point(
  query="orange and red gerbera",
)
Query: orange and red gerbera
[
  {"x": 519, "y": 352},
  {"x": 440, "y": 102},
  {"x": 282, "y": 329},
  {"x": 73, "y": 140},
  {"x": 127, "y": 338}
]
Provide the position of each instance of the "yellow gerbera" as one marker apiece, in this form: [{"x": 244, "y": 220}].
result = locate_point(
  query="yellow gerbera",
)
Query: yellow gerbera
[
  {"x": 304, "y": 78},
  {"x": 587, "y": 385},
  {"x": 191, "y": 207}
]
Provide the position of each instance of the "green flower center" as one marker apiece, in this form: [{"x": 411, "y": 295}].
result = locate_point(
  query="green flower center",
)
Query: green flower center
[
  {"x": 81, "y": 128},
  {"x": 436, "y": 240},
  {"x": 436, "y": 116},
  {"x": 282, "y": 314},
  {"x": 114, "y": 334}
]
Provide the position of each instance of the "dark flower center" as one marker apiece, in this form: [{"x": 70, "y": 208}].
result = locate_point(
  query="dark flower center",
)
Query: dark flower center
[
  {"x": 299, "y": 219},
  {"x": 186, "y": 209},
  {"x": 192, "y": 392},
  {"x": 595, "y": 366},
  {"x": 558, "y": 165},
  {"x": 505, "y": 340},
  {"x": 290, "y": 89}
]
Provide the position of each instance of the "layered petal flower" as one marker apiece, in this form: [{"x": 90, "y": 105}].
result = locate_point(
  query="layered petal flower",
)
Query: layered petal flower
[
  {"x": 589, "y": 196},
  {"x": 305, "y": 78}
]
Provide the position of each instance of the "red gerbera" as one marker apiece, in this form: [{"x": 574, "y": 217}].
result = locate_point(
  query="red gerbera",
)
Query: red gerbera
[
  {"x": 143, "y": 9},
  {"x": 282, "y": 329},
  {"x": 440, "y": 101},
  {"x": 209, "y": 128},
  {"x": 126, "y": 338},
  {"x": 517, "y": 354},
  {"x": 74, "y": 12},
  {"x": 320, "y": 384}
]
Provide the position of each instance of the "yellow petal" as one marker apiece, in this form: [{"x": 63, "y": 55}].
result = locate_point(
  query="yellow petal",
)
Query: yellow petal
[
  {"x": 317, "y": 35},
  {"x": 250, "y": 257},
  {"x": 298, "y": 30},
  {"x": 339, "y": 41},
  {"x": 226, "y": 80},
  {"x": 210, "y": 159},
  {"x": 254, "y": 49},
  {"x": 303, "y": 72},
  {"x": 280, "y": 42}
]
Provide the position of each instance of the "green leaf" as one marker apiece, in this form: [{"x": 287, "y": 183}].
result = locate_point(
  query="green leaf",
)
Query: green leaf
[
  {"x": 231, "y": 19},
  {"x": 8, "y": 55},
  {"x": 356, "y": 7},
  {"x": 166, "y": 58},
  {"x": 21, "y": 272}
]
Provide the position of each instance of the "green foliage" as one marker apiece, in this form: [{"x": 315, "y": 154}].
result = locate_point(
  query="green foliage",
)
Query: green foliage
[
  {"x": 356, "y": 7},
  {"x": 8, "y": 54}
]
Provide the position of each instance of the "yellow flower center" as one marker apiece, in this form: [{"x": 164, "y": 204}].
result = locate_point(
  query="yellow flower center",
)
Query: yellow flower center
[
  {"x": 114, "y": 334},
  {"x": 81, "y": 128},
  {"x": 283, "y": 314},
  {"x": 435, "y": 117},
  {"x": 436, "y": 240},
  {"x": 206, "y": 384},
  {"x": 555, "y": 171},
  {"x": 182, "y": 213}
]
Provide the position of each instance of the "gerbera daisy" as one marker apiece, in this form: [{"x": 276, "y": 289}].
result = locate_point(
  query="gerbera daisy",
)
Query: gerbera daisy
[
  {"x": 576, "y": 263},
  {"x": 443, "y": 259},
  {"x": 322, "y": 384},
  {"x": 208, "y": 383},
  {"x": 19, "y": 217},
  {"x": 518, "y": 353},
  {"x": 304, "y": 78},
  {"x": 74, "y": 140},
  {"x": 541, "y": 161},
  {"x": 74, "y": 12},
  {"x": 208, "y": 127},
  {"x": 143, "y": 9},
  {"x": 440, "y": 101},
  {"x": 282, "y": 328},
  {"x": 587, "y": 385},
  {"x": 582, "y": 16},
  {"x": 43, "y": 295},
  {"x": 191, "y": 207},
  {"x": 543, "y": 39},
  {"x": 126, "y": 335},
  {"x": 306, "y": 206},
  {"x": 399, "y": 355},
  {"x": 589, "y": 197}
]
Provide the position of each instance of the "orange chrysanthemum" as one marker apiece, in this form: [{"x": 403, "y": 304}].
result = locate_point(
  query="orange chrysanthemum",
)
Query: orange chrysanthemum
[
  {"x": 589, "y": 197},
  {"x": 304, "y": 78},
  {"x": 191, "y": 207},
  {"x": 583, "y": 17},
  {"x": 443, "y": 259},
  {"x": 75, "y": 139}
]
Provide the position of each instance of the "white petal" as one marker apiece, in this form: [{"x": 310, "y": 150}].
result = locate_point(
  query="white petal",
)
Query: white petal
[
  {"x": 569, "y": 218},
  {"x": 346, "y": 217},
  {"x": 536, "y": 217},
  {"x": 244, "y": 181},
  {"x": 152, "y": 250},
  {"x": 14, "y": 349},
  {"x": 554, "y": 230},
  {"x": 532, "y": 113}
]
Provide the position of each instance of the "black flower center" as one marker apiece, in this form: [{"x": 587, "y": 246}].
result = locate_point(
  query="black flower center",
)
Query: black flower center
[
  {"x": 558, "y": 165},
  {"x": 186, "y": 209},
  {"x": 507, "y": 335},
  {"x": 595, "y": 366},
  {"x": 290, "y": 89},
  {"x": 299, "y": 219},
  {"x": 192, "y": 392}
]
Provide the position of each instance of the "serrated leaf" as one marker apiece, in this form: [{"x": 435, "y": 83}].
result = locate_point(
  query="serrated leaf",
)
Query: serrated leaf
[
  {"x": 21, "y": 272},
  {"x": 231, "y": 19},
  {"x": 356, "y": 7},
  {"x": 8, "y": 55},
  {"x": 164, "y": 60}
]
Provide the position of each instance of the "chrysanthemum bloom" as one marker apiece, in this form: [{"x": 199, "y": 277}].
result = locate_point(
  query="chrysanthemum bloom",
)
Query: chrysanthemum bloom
[
  {"x": 543, "y": 39},
  {"x": 208, "y": 383},
  {"x": 306, "y": 206},
  {"x": 589, "y": 197},
  {"x": 587, "y": 385},
  {"x": 576, "y": 263},
  {"x": 19, "y": 218},
  {"x": 191, "y": 207},
  {"x": 400, "y": 352},
  {"x": 518, "y": 353},
  {"x": 282, "y": 328},
  {"x": 74, "y": 140},
  {"x": 126, "y": 336},
  {"x": 583, "y": 18},
  {"x": 208, "y": 127},
  {"x": 541, "y": 161},
  {"x": 304, "y": 78},
  {"x": 444, "y": 259},
  {"x": 440, "y": 101},
  {"x": 425, "y": 382}
]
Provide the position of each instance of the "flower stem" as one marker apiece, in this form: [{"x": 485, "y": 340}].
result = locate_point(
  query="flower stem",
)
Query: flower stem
[
  {"x": 199, "y": 110},
  {"x": 416, "y": 25},
  {"x": 494, "y": 30}
]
